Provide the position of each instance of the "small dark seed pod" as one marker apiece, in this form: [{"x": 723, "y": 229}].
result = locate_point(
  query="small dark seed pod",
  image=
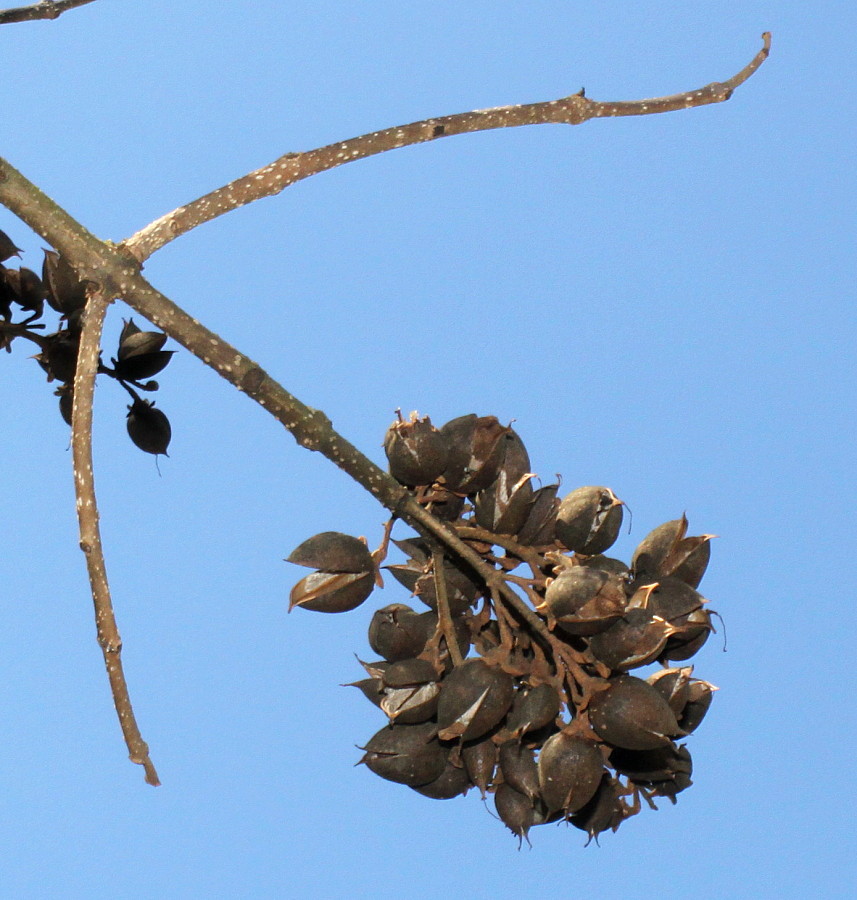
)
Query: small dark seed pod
[
  {"x": 674, "y": 686},
  {"x": 570, "y": 770},
  {"x": 589, "y": 519},
  {"x": 416, "y": 451},
  {"x": 149, "y": 428},
  {"x": 518, "y": 765},
  {"x": 700, "y": 695},
  {"x": 633, "y": 715},
  {"x": 583, "y": 600},
  {"x": 636, "y": 639},
  {"x": 332, "y": 551},
  {"x": 480, "y": 760},
  {"x": 397, "y": 632},
  {"x": 332, "y": 592},
  {"x": 474, "y": 697},
  {"x": 407, "y": 754},
  {"x": 64, "y": 291},
  {"x": 603, "y": 812},
  {"x": 476, "y": 451},
  {"x": 532, "y": 708},
  {"x": 515, "y": 811},
  {"x": 7, "y": 247},
  {"x": 540, "y": 525},
  {"x": 452, "y": 782}
]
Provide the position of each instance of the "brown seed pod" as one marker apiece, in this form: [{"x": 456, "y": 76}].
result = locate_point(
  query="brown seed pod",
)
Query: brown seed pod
[
  {"x": 633, "y": 715},
  {"x": 416, "y": 451},
  {"x": 474, "y": 697},
  {"x": 532, "y": 708},
  {"x": 7, "y": 247},
  {"x": 700, "y": 695},
  {"x": 149, "y": 428},
  {"x": 589, "y": 519},
  {"x": 480, "y": 759},
  {"x": 674, "y": 686},
  {"x": 332, "y": 592},
  {"x": 411, "y": 704},
  {"x": 604, "y": 811},
  {"x": 407, "y": 754},
  {"x": 408, "y": 672},
  {"x": 666, "y": 551},
  {"x": 691, "y": 634},
  {"x": 666, "y": 769},
  {"x": 397, "y": 632},
  {"x": 636, "y": 639},
  {"x": 606, "y": 564},
  {"x": 59, "y": 355},
  {"x": 570, "y": 770},
  {"x": 332, "y": 551},
  {"x": 515, "y": 811},
  {"x": 518, "y": 765},
  {"x": 64, "y": 291},
  {"x": 452, "y": 782},
  {"x": 26, "y": 289},
  {"x": 540, "y": 525},
  {"x": 503, "y": 506},
  {"x": 583, "y": 600},
  {"x": 476, "y": 452}
]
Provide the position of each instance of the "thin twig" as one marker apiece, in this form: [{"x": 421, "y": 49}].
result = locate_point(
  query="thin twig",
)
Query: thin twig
[
  {"x": 42, "y": 10},
  {"x": 293, "y": 167},
  {"x": 444, "y": 616},
  {"x": 90, "y": 536}
]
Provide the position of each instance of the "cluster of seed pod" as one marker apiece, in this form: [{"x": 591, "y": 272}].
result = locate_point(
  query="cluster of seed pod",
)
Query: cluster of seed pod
[
  {"x": 140, "y": 354},
  {"x": 523, "y": 690}
]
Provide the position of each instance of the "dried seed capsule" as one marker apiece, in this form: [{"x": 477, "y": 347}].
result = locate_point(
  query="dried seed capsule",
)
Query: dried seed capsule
[
  {"x": 474, "y": 697},
  {"x": 670, "y": 599},
  {"x": 583, "y": 600},
  {"x": 606, "y": 564},
  {"x": 700, "y": 695},
  {"x": 64, "y": 291},
  {"x": 7, "y": 247},
  {"x": 476, "y": 451},
  {"x": 59, "y": 355},
  {"x": 589, "y": 519},
  {"x": 690, "y": 635},
  {"x": 332, "y": 592},
  {"x": 407, "y": 754},
  {"x": 480, "y": 760},
  {"x": 409, "y": 672},
  {"x": 503, "y": 506},
  {"x": 570, "y": 770},
  {"x": 515, "y": 810},
  {"x": 636, "y": 639},
  {"x": 666, "y": 769},
  {"x": 332, "y": 551},
  {"x": 633, "y": 715},
  {"x": 674, "y": 686},
  {"x": 411, "y": 704},
  {"x": 148, "y": 427},
  {"x": 666, "y": 551},
  {"x": 452, "y": 782},
  {"x": 134, "y": 342},
  {"x": 26, "y": 289},
  {"x": 532, "y": 708},
  {"x": 518, "y": 765},
  {"x": 397, "y": 632},
  {"x": 540, "y": 525},
  {"x": 416, "y": 451},
  {"x": 604, "y": 811},
  {"x": 66, "y": 394}
]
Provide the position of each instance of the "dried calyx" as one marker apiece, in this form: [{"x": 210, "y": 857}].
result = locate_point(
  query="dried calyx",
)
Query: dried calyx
[{"x": 534, "y": 700}]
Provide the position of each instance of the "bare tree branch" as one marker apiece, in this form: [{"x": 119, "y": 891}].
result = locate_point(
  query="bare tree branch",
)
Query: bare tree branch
[
  {"x": 46, "y": 9},
  {"x": 90, "y": 535},
  {"x": 116, "y": 273},
  {"x": 293, "y": 167}
]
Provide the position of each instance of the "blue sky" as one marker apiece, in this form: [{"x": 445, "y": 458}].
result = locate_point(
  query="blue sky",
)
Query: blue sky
[{"x": 664, "y": 305}]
